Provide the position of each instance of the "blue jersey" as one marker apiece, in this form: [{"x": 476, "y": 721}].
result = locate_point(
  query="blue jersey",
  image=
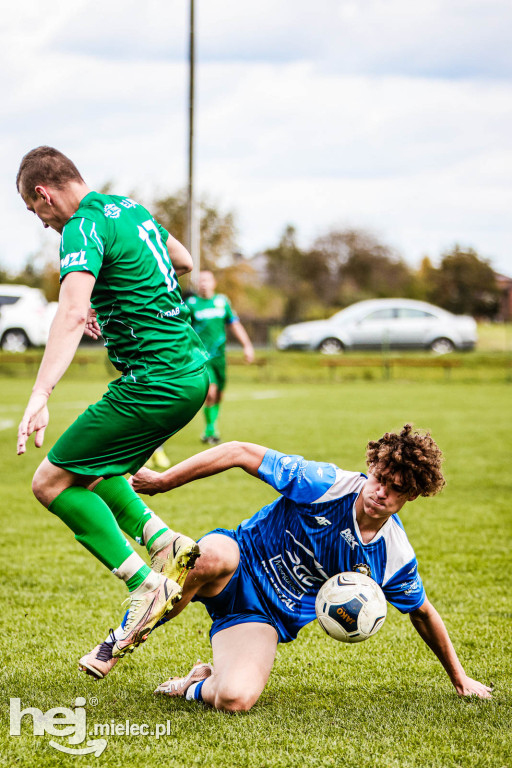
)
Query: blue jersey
[{"x": 310, "y": 533}]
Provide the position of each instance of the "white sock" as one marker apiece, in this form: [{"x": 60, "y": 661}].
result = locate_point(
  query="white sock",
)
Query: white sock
[
  {"x": 129, "y": 567},
  {"x": 150, "y": 582},
  {"x": 118, "y": 634},
  {"x": 189, "y": 695},
  {"x": 153, "y": 525}
]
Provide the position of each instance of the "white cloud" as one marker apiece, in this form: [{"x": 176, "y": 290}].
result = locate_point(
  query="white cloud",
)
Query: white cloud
[{"x": 377, "y": 113}]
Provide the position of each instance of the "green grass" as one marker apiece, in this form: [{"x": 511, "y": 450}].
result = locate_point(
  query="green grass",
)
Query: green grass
[
  {"x": 386, "y": 703},
  {"x": 494, "y": 337}
]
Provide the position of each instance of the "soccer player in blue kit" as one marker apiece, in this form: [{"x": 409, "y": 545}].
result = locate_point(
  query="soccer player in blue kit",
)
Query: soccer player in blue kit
[{"x": 259, "y": 582}]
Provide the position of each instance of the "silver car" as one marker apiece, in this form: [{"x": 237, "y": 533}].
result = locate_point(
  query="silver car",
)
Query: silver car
[{"x": 384, "y": 323}]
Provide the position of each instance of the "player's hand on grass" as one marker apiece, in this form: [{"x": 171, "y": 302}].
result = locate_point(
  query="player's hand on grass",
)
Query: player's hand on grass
[
  {"x": 35, "y": 419},
  {"x": 146, "y": 481},
  {"x": 469, "y": 687},
  {"x": 92, "y": 327}
]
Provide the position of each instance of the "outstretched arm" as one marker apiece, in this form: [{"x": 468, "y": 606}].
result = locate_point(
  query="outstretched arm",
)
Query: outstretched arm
[
  {"x": 65, "y": 333},
  {"x": 430, "y": 627},
  {"x": 242, "y": 336},
  {"x": 247, "y": 456}
]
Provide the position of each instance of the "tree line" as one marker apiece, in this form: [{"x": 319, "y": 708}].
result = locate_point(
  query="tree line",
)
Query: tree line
[{"x": 287, "y": 282}]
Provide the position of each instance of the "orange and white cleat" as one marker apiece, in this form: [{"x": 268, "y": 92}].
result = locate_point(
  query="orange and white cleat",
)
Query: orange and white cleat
[
  {"x": 99, "y": 661},
  {"x": 178, "y": 686}
]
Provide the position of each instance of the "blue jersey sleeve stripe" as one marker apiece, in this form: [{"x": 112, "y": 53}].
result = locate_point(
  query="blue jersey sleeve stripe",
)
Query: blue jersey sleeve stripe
[
  {"x": 296, "y": 478},
  {"x": 405, "y": 589}
]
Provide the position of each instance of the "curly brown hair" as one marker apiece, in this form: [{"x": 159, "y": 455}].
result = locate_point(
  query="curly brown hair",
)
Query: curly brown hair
[{"x": 413, "y": 457}]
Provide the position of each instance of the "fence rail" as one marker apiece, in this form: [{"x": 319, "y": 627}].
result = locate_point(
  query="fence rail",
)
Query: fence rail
[{"x": 270, "y": 365}]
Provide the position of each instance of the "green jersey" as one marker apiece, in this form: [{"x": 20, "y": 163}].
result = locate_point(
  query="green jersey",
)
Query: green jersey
[
  {"x": 209, "y": 318},
  {"x": 143, "y": 319}
]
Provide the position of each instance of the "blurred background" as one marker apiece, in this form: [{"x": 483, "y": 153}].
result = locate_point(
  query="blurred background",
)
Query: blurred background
[{"x": 342, "y": 150}]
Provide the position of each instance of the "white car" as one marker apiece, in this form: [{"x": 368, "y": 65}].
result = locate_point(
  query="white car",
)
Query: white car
[
  {"x": 384, "y": 323},
  {"x": 25, "y": 317}
]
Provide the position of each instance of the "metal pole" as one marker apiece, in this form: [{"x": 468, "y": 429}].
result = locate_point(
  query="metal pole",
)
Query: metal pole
[{"x": 192, "y": 240}]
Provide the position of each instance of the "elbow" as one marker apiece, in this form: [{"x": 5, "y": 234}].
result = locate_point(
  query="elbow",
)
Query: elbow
[
  {"x": 234, "y": 451},
  {"x": 181, "y": 259},
  {"x": 422, "y": 613},
  {"x": 74, "y": 317},
  {"x": 240, "y": 454},
  {"x": 185, "y": 266}
]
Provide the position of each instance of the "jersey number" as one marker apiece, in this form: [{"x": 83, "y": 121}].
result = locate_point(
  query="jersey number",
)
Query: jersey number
[{"x": 149, "y": 232}]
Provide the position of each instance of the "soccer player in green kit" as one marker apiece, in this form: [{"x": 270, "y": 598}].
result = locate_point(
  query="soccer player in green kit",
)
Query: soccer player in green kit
[
  {"x": 119, "y": 271},
  {"x": 210, "y": 314}
]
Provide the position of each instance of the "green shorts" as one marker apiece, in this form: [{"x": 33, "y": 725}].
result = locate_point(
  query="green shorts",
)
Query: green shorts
[
  {"x": 216, "y": 367},
  {"x": 121, "y": 431}
]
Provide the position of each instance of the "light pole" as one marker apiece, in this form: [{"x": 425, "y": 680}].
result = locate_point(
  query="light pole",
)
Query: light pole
[{"x": 192, "y": 228}]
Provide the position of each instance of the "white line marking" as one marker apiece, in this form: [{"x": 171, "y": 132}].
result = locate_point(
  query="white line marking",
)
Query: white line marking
[
  {"x": 82, "y": 404},
  {"x": 19, "y": 408},
  {"x": 261, "y": 395},
  {"x": 6, "y": 424}
]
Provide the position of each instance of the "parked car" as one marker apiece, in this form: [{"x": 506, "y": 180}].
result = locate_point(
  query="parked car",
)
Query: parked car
[
  {"x": 378, "y": 323},
  {"x": 25, "y": 317}
]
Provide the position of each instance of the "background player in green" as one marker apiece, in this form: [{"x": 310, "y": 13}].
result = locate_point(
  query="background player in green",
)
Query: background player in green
[
  {"x": 210, "y": 314},
  {"x": 118, "y": 260}
]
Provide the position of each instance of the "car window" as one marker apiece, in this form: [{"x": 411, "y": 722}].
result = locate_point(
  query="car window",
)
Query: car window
[
  {"x": 408, "y": 312},
  {"x": 380, "y": 314},
  {"x": 8, "y": 300}
]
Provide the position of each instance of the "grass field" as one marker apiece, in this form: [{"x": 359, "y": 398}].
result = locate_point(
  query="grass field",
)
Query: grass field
[{"x": 386, "y": 703}]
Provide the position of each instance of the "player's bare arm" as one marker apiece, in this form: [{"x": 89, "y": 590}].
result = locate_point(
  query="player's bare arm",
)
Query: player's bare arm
[
  {"x": 65, "y": 334},
  {"x": 241, "y": 335},
  {"x": 246, "y": 456},
  {"x": 430, "y": 626},
  {"x": 180, "y": 257}
]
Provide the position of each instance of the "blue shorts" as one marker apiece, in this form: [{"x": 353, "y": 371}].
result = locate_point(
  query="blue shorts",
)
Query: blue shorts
[{"x": 239, "y": 602}]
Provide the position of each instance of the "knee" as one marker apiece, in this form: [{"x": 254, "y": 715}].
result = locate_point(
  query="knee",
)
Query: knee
[
  {"x": 229, "y": 699},
  {"x": 212, "y": 396},
  {"x": 47, "y": 484},
  {"x": 220, "y": 556},
  {"x": 40, "y": 486}
]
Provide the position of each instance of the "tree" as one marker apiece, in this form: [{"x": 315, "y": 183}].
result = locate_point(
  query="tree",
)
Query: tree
[
  {"x": 360, "y": 267},
  {"x": 464, "y": 283},
  {"x": 40, "y": 270},
  {"x": 251, "y": 298},
  {"x": 289, "y": 270},
  {"x": 422, "y": 280},
  {"x": 217, "y": 230}
]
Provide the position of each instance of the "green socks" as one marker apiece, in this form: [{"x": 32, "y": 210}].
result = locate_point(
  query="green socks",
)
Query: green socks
[
  {"x": 92, "y": 522},
  {"x": 132, "y": 515},
  {"x": 211, "y": 413},
  {"x": 96, "y": 518}
]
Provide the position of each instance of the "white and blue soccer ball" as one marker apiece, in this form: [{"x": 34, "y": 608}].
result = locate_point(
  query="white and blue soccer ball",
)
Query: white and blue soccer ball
[{"x": 350, "y": 607}]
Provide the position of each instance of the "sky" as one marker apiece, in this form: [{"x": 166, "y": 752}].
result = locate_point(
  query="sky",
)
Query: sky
[{"x": 388, "y": 115}]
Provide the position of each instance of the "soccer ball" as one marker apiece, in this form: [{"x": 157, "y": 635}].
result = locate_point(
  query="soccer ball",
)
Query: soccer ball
[{"x": 350, "y": 607}]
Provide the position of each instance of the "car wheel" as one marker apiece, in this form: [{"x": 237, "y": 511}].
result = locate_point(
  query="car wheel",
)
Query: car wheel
[
  {"x": 330, "y": 347},
  {"x": 15, "y": 340},
  {"x": 442, "y": 346}
]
